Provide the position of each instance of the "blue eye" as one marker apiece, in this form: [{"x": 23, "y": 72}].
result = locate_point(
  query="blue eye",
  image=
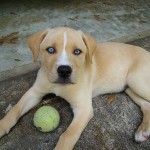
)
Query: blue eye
[
  {"x": 77, "y": 52},
  {"x": 51, "y": 50}
]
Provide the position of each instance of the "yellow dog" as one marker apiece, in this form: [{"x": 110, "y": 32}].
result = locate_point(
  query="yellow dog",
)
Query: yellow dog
[{"x": 77, "y": 68}]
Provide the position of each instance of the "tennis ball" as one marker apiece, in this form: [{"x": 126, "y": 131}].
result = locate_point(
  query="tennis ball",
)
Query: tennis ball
[{"x": 46, "y": 119}]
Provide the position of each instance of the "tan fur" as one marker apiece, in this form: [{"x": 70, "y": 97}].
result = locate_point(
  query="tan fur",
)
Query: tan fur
[
  {"x": 34, "y": 43},
  {"x": 100, "y": 68}
]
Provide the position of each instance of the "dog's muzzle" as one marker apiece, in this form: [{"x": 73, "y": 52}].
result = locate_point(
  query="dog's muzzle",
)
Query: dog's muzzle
[{"x": 64, "y": 71}]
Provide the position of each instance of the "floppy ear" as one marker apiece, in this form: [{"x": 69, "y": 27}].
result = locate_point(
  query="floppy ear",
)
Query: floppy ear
[
  {"x": 34, "y": 42},
  {"x": 90, "y": 43}
]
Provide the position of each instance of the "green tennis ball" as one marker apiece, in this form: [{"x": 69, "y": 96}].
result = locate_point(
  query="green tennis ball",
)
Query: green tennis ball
[{"x": 46, "y": 119}]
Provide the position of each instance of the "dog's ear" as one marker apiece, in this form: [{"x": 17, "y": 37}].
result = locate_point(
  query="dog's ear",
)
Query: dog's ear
[
  {"x": 34, "y": 42},
  {"x": 90, "y": 43}
]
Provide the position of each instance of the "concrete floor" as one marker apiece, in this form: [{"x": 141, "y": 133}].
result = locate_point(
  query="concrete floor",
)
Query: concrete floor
[{"x": 105, "y": 20}]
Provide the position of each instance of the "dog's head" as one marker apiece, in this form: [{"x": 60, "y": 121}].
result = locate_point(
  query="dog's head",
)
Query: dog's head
[{"x": 64, "y": 53}]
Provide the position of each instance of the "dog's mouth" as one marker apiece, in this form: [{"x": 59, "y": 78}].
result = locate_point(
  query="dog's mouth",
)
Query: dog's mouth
[{"x": 64, "y": 81}]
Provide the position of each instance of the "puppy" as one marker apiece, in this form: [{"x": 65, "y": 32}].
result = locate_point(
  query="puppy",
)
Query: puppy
[{"x": 77, "y": 68}]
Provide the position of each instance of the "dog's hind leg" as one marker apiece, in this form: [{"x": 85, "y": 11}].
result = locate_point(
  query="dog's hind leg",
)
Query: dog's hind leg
[{"x": 143, "y": 132}]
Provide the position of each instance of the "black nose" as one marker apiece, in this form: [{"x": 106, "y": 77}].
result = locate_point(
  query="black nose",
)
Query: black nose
[{"x": 64, "y": 71}]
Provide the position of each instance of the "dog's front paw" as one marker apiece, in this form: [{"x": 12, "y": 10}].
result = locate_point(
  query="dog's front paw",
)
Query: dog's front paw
[
  {"x": 143, "y": 133},
  {"x": 3, "y": 128}
]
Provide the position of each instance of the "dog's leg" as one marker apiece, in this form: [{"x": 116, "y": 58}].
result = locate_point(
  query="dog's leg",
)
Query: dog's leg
[
  {"x": 28, "y": 101},
  {"x": 143, "y": 131},
  {"x": 82, "y": 114}
]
